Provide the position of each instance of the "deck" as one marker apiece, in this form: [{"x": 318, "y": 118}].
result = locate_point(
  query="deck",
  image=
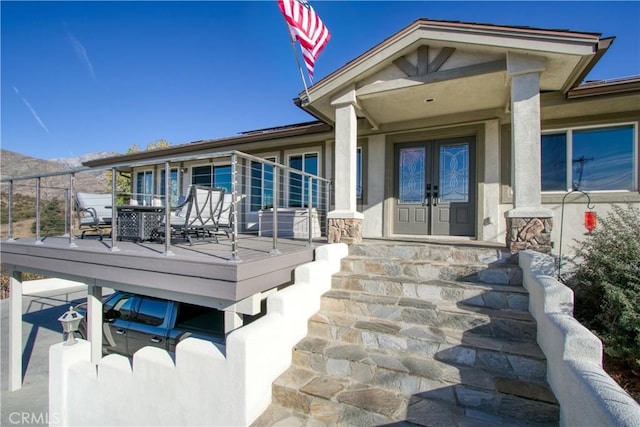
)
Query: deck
[{"x": 204, "y": 273}]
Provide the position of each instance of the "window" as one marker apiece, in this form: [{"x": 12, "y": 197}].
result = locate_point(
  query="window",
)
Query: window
[
  {"x": 600, "y": 159},
  {"x": 359, "y": 173},
  {"x": 173, "y": 186},
  {"x": 212, "y": 176},
  {"x": 152, "y": 311},
  {"x": 262, "y": 185},
  {"x": 299, "y": 184},
  {"x": 144, "y": 187},
  {"x": 119, "y": 307}
]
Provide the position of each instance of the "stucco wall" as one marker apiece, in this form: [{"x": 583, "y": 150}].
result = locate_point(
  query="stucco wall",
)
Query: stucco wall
[
  {"x": 204, "y": 384},
  {"x": 587, "y": 395}
]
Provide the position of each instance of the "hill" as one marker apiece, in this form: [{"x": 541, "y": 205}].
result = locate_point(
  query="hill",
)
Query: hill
[{"x": 15, "y": 164}]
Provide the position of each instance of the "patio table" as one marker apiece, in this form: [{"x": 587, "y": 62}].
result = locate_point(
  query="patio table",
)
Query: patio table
[{"x": 139, "y": 223}]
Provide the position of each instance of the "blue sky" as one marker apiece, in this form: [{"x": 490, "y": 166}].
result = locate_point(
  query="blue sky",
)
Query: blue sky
[{"x": 81, "y": 77}]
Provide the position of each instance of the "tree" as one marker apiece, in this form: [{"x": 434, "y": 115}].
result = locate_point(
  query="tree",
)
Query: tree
[
  {"x": 123, "y": 182},
  {"x": 51, "y": 218}
]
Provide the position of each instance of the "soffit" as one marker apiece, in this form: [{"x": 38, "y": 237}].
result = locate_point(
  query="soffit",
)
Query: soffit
[{"x": 470, "y": 78}]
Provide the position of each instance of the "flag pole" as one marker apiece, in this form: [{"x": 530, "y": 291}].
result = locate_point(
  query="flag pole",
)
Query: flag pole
[{"x": 295, "y": 55}]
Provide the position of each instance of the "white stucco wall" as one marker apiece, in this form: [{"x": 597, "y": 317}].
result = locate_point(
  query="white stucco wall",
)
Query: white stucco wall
[
  {"x": 205, "y": 384},
  {"x": 588, "y": 396}
]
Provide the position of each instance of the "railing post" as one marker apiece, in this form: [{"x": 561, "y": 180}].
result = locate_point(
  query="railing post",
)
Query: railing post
[
  {"x": 234, "y": 201},
  {"x": 66, "y": 213},
  {"x": 167, "y": 211},
  {"x": 9, "y": 214},
  {"x": 276, "y": 198},
  {"x": 327, "y": 208},
  {"x": 114, "y": 213},
  {"x": 310, "y": 209},
  {"x": 38, "y": 241},
  {"x": 72, "y": 236}
]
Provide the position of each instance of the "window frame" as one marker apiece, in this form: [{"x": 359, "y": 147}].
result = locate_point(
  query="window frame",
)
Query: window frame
[
  {"x": 287, "y": 181},
  {"x": 568, "y": 132},
  {"x": 142, "y": 197}
]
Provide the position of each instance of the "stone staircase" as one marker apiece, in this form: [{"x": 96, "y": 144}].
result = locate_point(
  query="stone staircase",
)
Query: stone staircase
[{"x": 418, "y": 334}]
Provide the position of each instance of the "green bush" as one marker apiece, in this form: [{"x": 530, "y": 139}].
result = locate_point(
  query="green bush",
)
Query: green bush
[
  {"x": 607, "y": 284},
  {"x": 51, "y": 218}
]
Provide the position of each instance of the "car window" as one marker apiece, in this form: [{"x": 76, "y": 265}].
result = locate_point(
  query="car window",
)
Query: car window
[
  {"x": 120, "y": 307},
  {"x": 152, "y": 311},
  {"x": 200, "y": 319}
]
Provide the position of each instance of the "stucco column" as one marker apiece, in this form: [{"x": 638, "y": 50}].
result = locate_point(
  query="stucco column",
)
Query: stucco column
[
  {"x": 94, "y": 321},
  {"x": 528, "y": 223},
  {"x": 489, "y": 185},
  {"x": 15, "y": 329},
  {"x": 345, "y": 222}
]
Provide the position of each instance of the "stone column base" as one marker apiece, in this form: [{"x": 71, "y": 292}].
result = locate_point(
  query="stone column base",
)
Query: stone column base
[
  {"x": 529, "y": 233},
  {"x": 345, "y": 230}
]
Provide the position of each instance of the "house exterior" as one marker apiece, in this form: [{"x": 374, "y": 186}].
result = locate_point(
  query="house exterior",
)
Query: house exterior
[
  {"x": 445, "y": 130},
  {"x": 452, "y": 129}
]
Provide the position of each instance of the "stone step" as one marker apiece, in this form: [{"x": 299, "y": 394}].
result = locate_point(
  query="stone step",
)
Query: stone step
[
  {"x": 469, "y": 253},
  {"x": 511, "y": 358},
  {"x": 427, "y": 269},
  {"x": 389, "y": 383},
  {"x": 509, "y": 324},
  {"x": 513, "y": 297}
]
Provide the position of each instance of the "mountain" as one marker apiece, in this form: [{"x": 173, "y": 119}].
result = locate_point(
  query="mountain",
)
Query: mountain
[
  {"x": 15, "y": 165},
  {"x": 76, "y": 162}
]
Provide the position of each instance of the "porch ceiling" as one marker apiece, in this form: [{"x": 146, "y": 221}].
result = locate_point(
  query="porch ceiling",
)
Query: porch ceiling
[
  {"x": 460, "y": 67},
  {"x": 449, "y": 97}
]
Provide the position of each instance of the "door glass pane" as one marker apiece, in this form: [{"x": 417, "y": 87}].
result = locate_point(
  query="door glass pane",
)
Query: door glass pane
[
  {"x": 603, "y": 159},
  {"x": 222, "y": 177},
  {"x": 454, "y": 173},
  {"x": 412, "y": 163}
]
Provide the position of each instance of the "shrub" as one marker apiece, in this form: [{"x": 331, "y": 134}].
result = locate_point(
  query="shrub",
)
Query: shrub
[{"x": 607, "y": 284}]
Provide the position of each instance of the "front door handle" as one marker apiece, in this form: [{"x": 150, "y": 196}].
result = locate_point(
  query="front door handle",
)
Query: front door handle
[
  {"x": 120, "y": 331},
  {"x": 156, "y": 340}
]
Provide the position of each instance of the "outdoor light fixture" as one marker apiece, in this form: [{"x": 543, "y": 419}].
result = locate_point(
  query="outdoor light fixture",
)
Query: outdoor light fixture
[
  {"x": 590, "y": 221},
  {"x": 70, "y": 321}
]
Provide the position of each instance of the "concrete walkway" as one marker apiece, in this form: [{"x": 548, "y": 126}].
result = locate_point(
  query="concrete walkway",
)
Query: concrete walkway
[{"x": 43, "y": 303}]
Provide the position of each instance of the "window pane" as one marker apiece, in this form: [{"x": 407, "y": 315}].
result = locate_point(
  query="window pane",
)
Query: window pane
[
  {"x": 173, "y": 185},
  {"x": 144, "y": 187},
  {"x": 554, "y": 162},
  {"x": 222, "y": 177},
  {"x": 202, "y": 175},
  {"x": 454, "y": 173},
  {"x": 603, "y": 159},
  {"x": 412, "y": 162},
  {"x": 310, "y": 166},
  {"x": 359, "y": 173},
  {"x": 261, "y": 185},
  {"x": 152, "y": 311},
  {"x": 295, "y": 182}
]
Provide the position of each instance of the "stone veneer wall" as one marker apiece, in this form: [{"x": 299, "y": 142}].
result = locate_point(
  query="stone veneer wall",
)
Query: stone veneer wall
[
  {"x": 529, "y": 233},
  {"x": 588, "y": 396},
  {"x": 345, "y": 230},
  {"x": 204, "y": 384}
]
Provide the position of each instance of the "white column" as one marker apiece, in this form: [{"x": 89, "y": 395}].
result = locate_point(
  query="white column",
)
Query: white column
[
  {"x": 346, "y": 130},
  {"x": 524, "y": 72},
  {"x": 373, "y": 225},
  {"x": 15, "y": 330},
  {"x": 489, "y": 185},
  {"x": 94, "y": 321}
]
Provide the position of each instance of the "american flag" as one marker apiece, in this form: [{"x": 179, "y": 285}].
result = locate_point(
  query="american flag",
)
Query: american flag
[{"x": 306, "y": 27}]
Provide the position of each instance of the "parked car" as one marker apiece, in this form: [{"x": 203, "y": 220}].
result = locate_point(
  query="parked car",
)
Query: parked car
[{"x": 132, "y": 321}]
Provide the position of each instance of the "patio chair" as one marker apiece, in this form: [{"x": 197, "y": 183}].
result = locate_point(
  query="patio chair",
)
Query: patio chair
[
  {"x": 94, "y": 212},
  {"x": 198, "y": 216}
]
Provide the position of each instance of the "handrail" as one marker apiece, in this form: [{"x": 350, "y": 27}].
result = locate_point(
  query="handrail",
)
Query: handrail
[{"x": 308, "y": 181}]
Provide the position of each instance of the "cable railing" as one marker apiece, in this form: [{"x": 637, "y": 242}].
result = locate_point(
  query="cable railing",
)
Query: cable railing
[{"x": 260, "y": 199}]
